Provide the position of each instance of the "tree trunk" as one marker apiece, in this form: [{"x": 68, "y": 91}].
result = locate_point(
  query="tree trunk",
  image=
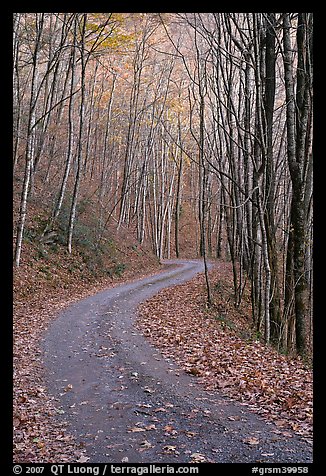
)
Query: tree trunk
[
  {"x": 80, "y": 137},
  {"x": 297, "y": 112},
  {"x": 29, "y": 150}
]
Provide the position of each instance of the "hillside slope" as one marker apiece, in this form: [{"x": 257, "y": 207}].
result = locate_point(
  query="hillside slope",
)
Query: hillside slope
[{"x": 48, "y": 280}]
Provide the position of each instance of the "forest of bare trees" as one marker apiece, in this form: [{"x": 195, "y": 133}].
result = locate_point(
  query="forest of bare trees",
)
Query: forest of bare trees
[{"x": 158, "y": 115}]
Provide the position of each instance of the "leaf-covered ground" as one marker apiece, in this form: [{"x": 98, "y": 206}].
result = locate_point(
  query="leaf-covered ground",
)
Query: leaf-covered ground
[
  {"x": 206, "y": 344},
  {"x": 216, "y": 346},
  {"x": 43, "y": 287}
]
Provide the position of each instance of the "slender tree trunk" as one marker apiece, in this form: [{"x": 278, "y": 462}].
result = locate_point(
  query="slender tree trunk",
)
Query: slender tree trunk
[
  {"x": 177, "y": 210},
  {"x": 71, "y": 133},
  {"x": 270, "y": 179},
  {"x": 72, "y": 217},
  {"x": 29, "y": 151},
  {"x": 16, "y": 90}
]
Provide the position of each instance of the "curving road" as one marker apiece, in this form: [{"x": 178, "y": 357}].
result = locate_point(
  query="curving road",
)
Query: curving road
[{"x": 126, "y": 403}]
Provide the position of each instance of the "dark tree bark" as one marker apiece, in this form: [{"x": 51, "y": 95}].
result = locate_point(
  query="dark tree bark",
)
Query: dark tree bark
[{"x": 298, "y": 99}]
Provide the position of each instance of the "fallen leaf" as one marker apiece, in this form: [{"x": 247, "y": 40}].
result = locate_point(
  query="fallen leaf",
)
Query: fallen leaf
[
  {"x": 251, "y": 441},
  {"x": 148, "y": 390},
  {"x": 16, "y": 422},
  {"x": 145, "y": 445},
  {"x": 197, "y": 458},
  {"x": 135, "y": 429},
  {"x": 168, "y": 428},
  {"x": 193, "y": 371},
  {"x": 280, "y": 423},
  {"x": 83, "y": 459},
  {"x": 169, "y": 448},
  {"x": 150, "y": 427}
]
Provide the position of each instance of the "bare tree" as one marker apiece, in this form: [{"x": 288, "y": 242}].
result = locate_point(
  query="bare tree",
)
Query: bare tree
[
  {"x": 298, "y": 115},
  {"x": 30, "y": 136}
]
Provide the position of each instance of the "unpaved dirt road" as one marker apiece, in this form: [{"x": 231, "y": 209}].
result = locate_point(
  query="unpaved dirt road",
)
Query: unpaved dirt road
[{"x": 126, "y": 403}]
